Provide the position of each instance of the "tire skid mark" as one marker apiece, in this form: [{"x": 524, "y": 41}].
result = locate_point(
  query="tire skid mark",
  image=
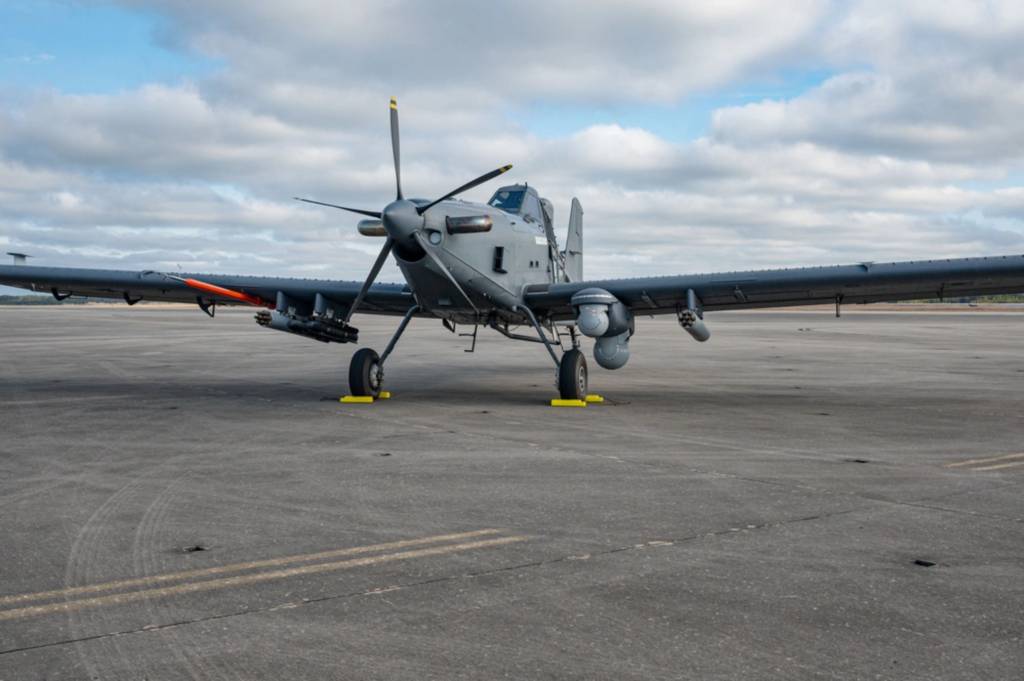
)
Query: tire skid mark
[
  {"x": 88, "y": 558},
  {"x": 183, "y": 645},
  {"x": 82, "y": 562},
  {"x": 144, "y": 562},
  {"x": 89, "y": 552}
]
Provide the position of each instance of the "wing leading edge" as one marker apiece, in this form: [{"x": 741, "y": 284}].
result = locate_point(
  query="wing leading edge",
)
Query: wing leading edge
[
  {"x": 147, "y": 285},
  {"x": 863, "y": 283}
]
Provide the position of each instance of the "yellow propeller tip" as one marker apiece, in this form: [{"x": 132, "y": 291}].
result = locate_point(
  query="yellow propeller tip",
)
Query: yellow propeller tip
[
  {"x": 394, "y": 103},
  {"x": 507, "y": 168}
]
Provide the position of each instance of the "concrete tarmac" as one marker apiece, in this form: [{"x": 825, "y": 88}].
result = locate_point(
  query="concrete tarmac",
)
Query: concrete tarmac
[{"x": 802, "y": 497}]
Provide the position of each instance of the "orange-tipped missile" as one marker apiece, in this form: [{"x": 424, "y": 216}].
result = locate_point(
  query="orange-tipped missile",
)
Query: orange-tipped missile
[{"x": 224, "y": 292}]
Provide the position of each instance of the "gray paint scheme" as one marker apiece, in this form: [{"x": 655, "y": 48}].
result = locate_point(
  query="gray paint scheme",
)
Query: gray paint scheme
[
  {"x": 574, "y": 243},
  {"x": 382, "y": 299},
  {"x": 863, "y": 283},
  {"x": 866, "y": 283}
]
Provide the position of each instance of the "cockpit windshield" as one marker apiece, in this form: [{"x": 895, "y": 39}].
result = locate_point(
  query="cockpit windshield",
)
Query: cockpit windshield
[{"x": 508, "y": 200}]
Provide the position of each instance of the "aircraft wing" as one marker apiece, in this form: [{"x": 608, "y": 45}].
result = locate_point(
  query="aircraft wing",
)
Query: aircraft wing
[
  {"x": 863, "y": 283},
  {"x": 191, "y": 288}
]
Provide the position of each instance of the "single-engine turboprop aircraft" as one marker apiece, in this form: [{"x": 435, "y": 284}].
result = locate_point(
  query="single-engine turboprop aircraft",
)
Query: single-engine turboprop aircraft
[{"x": 498, "y": 265}]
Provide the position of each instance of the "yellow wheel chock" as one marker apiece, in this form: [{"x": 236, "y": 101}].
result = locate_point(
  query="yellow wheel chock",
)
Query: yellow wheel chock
[
  {"x": 365, "y": 399},
  {"x": 568, "y": 403}
]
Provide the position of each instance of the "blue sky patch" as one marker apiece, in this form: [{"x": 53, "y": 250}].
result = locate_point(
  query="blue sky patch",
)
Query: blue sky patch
[
  {"x": 679, "y": 122},
  {"x": 87, "y": 49}
]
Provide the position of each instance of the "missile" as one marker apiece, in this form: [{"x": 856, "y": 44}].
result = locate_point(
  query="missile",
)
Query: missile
[
  {"x": 310, "y": 328},
  {"x": 694, "y": 325}
]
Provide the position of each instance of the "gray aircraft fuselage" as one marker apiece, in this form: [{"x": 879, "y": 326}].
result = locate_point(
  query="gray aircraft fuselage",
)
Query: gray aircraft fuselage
[{"x": 492, "y": 267}]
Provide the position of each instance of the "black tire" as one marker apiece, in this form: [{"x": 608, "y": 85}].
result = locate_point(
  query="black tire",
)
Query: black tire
[
  {"x": 364, "y": 373},
  {"x": 572, "y": 376}
]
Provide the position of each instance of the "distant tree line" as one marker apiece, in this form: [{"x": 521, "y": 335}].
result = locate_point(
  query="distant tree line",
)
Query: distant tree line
[
  {"x": 982, "y": 300},
  {"x": 36, "y": 299}
]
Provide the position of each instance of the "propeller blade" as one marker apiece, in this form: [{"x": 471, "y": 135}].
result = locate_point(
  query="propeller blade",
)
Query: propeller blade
[
  {"x": 421, "y": 240},
  {"x": 395, "y": 149},
  {"x": 469, "y": 185},
  {"x": 371, "y": 213},
  {"x": 374, "y": 271}
]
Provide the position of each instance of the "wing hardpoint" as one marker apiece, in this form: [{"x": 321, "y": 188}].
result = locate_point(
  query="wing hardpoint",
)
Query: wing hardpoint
[
  {"x": 863, "y": 283},
  {"x": 148, "y": 285}
]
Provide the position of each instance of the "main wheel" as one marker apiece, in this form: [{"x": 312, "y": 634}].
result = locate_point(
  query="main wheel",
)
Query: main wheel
[
  {"x": 572, "y": 375},
  {"x": 364, "y": 373}
]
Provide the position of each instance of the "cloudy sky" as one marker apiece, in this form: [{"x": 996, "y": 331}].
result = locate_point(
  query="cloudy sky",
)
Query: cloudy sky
[{"x": 722, "y": 135}]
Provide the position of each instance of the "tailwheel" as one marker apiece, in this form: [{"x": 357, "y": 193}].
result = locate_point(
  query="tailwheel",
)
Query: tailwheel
[
  {"x": 572, "y": 376},
  {"x": 364, "y": 373}
]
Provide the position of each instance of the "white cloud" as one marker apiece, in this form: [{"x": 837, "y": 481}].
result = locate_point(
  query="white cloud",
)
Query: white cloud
[
  {"x": 925, "y": 80},
  {"x": 602, "y": 50},
  {"x": 885, "y": 159}
]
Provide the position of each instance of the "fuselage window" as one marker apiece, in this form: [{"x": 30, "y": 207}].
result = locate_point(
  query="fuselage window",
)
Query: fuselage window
[{"x": 532, "y": 208}]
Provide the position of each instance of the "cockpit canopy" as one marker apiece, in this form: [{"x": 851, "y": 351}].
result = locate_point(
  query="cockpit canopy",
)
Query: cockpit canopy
[
  {"x": 519, "y": 199},
  {"x": 509, "y": 199}
]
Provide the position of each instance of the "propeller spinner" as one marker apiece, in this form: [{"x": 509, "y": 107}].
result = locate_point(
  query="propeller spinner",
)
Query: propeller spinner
[{"x": 402, "y": 219}]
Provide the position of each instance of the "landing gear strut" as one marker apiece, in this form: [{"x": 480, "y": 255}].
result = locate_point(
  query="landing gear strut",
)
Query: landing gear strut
[
  {"x": 366, "y": 370},
  {"x": 572, "y": 368}
]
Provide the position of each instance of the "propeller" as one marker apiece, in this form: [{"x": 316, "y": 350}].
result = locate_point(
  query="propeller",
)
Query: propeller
[
  {"x": 395, "y": 150},
  {"x": 371, "y": 213},
  {"x": 466, "y": 187},
  {"x": 374, "y": 271},
  {"x": 402, "y": 220},
  {"x": 443, "y": 269}
]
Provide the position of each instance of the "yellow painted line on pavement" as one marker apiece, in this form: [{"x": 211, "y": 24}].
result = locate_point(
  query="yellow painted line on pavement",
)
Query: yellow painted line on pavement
[
  {"x": 255, "y": 578},
  {"x": 239, "y": 567},
  {"x": 991, "y": 459},
  {"x": 998, "y": 466}
]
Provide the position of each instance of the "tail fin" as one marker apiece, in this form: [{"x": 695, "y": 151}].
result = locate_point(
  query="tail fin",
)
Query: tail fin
[{"x": 574, "y": 243}]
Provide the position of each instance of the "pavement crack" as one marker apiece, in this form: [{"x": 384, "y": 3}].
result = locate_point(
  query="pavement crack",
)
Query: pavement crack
[{"x": 959, "y": 511}]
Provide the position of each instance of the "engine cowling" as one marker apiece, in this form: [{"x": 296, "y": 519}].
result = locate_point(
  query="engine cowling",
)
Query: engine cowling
[{"x": 601, "y": 315}]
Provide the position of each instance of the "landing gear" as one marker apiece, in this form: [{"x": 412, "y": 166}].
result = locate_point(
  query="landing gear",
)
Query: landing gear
[
  {"x": 572, "y": 376},
  {"x": 366, "y": 370},
  {"x": 365, "y": 373},
  {"x": 572, "y": 368}
]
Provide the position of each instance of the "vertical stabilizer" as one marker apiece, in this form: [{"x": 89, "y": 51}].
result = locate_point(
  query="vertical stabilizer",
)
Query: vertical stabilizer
[{"x": 574, "y": 243}]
